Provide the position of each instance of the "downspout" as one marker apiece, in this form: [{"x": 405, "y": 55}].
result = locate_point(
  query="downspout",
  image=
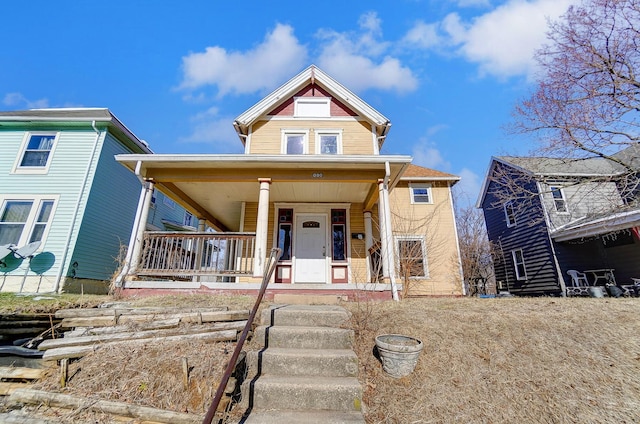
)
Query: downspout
[
  {"x": 387, "y": 217},
  {"x": 78, "y": 205}
]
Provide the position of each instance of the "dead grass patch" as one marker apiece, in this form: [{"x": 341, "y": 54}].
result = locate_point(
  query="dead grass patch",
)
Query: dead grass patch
[{"x": 506, "y": 360}]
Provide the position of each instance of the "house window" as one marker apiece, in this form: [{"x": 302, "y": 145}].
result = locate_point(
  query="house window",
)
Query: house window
[
  {"x": 188, "y": 219},
  {"x": 338, "y": 231},
  {"x": 295, "y": 142},
  {"x": 24, "y": 221},
  {"x": 328, "y": 142},
  {"x": 420, "y": 193},
  {"x": 285, "y": 228},
  {"x": 518, "y": 264},
  {"x": 154, "y": 197},
  {"x": 558, "y": 199},
  {"x": 170, "y": 203},
  {"x": 312, "y": 107},
  {"x": 37, "y": 152},
  {"x": 412, "y": 257},
  {"x": 510, "y": 213}
]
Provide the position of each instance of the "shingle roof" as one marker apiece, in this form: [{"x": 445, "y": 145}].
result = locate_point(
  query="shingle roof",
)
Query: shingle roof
[
  {"x": 419, "y": 172},
  {"x": 562, "y": 166}
]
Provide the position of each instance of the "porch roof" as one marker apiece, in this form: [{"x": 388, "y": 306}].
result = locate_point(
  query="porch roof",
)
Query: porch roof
[
  {"x": 213, "y": 187},
  {"x": 598, "y": 225}
]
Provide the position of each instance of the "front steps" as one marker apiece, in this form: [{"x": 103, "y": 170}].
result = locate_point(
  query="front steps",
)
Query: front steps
[{"x": 306, "y": 371}]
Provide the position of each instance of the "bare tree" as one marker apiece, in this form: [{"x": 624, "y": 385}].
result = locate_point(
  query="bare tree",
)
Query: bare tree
[{"x": 475, "y": 251}]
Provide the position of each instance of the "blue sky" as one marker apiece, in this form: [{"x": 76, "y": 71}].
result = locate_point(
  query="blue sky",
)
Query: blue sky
[{"x": 447, "y": 73}]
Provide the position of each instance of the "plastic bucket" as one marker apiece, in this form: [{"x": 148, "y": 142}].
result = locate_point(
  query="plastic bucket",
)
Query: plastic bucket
[{"x": 596, "y": 291}]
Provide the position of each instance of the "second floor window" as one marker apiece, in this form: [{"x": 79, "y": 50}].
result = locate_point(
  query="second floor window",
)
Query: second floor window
[
  {"x": 518, "y": 263},
  {"x": 36, "y": 153},
  {"x": 420, "y": 193},
  {"x": 295, "y": 142},
  {"x": 510, "y": 213},
  {"x": 559, "y": 201},
  {"x": 328, "y": 142}
]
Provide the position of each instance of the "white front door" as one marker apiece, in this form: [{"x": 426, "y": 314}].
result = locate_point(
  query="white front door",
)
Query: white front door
[{"x": 310, "y": 249}]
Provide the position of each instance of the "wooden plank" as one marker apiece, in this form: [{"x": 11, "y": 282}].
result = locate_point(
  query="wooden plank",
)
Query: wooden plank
[
  {"x": 101, "y": 312},
  {"x": 12, "y": 418},
  {"x": 80, "y": 351},
  {"x": 36, "y": 397},
  {"x": 7, "y": 388},
  {"x": 21, "y": 373},
  {"x": 106, "y": 321},
  {"x": 153, "y": 325},
  {"x": 132, "y": 335}
]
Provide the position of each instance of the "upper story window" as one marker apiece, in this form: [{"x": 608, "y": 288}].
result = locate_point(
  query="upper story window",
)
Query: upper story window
[
  {"x": 295, "y": 142},
  {"x": 328, "y": 142},
  {"x": 420, "y": 193},
  {"x": 559, "y": 201},
  {"x": 510, "y": 213},
  {"x": 36, "y": 153},
  {"x": 170, "y": 203},
  {"x": 312, "y": 107},
  {"x": 24, "y": 221}
]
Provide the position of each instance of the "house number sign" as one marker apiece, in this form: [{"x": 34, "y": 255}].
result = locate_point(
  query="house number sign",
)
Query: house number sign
[
  {"x": 311, "y": 224},
  {"x": 317, "y": 175}
]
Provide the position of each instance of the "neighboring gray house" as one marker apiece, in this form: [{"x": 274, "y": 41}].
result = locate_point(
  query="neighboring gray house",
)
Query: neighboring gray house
[
  {"x": 566, "y": 214},
  {"x": 62, "y": 191}
]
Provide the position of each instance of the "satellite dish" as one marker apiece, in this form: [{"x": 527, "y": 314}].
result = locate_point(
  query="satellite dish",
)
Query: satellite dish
[
  {"x": 27, "y": 250},
  {"x": 5, "y": 250}
]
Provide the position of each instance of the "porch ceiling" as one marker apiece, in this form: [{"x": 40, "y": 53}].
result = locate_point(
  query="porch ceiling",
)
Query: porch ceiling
[{"x": 214, "y": 187}]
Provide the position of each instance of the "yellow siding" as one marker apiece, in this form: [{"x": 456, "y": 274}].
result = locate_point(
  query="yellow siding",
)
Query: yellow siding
[
  {"x": 266, "y": 136},
  {"x": 436, "y": 223}
]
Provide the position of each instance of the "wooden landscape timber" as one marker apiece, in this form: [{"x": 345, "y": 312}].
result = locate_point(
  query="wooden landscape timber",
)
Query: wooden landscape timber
[
  {"x": 36, "y": 397},
  {"x": 14, "y": 378},
  {"x": 152, "y": 325},
  {"x": 97, "y": 312},
  {"x": 192, "y": 317}
]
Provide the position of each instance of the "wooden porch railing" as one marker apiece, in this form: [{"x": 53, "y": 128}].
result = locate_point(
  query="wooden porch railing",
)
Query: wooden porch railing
[{"x": 187, "y": 254}]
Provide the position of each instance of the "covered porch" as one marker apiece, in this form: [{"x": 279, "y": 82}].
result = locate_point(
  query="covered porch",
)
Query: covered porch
[
  {"x": 329, "y": 215},
  {"x": 600, "y": 251}
]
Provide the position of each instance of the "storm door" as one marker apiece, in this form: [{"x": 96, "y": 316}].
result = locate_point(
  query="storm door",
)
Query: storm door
[{"x": 310, "y": 249}]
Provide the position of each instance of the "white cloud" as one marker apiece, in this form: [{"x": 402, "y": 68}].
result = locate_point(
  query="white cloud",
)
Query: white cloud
[
  {"x": 502, "y": 42},
  {"x": 259, "y": 69},
  {"x": 468, "y": 188},
  {"x": 472, "y": 3},
  {"x": 18, "y": 100},
  {"x": 426, "y": 153},
  {"x": 211, "y": 128},
  {"x": 360, "y": 60}
]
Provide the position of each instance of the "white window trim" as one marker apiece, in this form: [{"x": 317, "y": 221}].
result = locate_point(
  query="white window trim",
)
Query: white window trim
[
  {"x": 328, "y": 131},
  {"x": 284, "y": 132},
  {"x": 515, "y": 265},
  {"x": 564, "y": 199},
  {"x": 425, "y": 259},
  {"x": 421, "y": 185},
  {"x": 17, "y": 169},
  {"x": 506, "y": 214},
  {"x": 33, "y": 214},
  {"x": 191, "y": 220},
  {"x": 297, "y": 109}
]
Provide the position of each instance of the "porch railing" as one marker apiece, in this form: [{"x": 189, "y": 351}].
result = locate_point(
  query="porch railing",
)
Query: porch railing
[{"x": 183, "y": 255}]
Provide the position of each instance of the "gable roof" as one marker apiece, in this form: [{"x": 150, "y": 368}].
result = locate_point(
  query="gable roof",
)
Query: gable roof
[
  {"x": 311, "y": 75},
  {"x": 71, "y": 116},
  {"x": 419, "y": 173}
]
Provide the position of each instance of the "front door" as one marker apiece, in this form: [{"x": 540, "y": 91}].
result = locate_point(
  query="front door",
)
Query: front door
[{"x": 310, "y": 249}]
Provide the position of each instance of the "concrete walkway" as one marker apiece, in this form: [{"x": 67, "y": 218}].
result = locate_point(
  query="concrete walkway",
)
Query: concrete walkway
[{"x": 307, "y": 370}]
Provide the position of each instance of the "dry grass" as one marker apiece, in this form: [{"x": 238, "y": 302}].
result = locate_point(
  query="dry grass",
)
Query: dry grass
[
  {"x": 506, "y": 361},
  {"x": 543, "y": 360}
]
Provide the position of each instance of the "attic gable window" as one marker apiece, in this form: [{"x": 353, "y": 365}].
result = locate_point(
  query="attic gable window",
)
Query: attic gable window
[
  {"x": 420, "y": 193},
  {"x": 311, "y": 107},
  {"x": 559, "y": 201}
]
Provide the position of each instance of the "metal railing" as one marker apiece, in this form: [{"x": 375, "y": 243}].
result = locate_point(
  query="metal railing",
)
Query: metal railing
[
  {"x": 268, "y": 272},
  {"x": 187, "y": 254}
]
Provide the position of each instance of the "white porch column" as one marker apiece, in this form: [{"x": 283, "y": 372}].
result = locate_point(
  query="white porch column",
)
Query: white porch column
[
  {"x": 132, "y": 260},
  {"x": 386, "y": 237},
  {"x": 368, "y": 241},
  {"x": 261, "y": 227}
]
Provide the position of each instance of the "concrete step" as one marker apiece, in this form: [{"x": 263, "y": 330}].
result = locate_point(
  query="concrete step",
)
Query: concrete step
[
  {"x": 311, "y": 362},
  {"x": 306, "y": 316},
  {"x": 305, "y": 337},
  {"x": 304, "y": 417},
  {"x": 297, "y": 393}
]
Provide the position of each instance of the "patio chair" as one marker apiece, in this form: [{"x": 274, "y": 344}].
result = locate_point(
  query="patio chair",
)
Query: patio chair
[{"x": 578, "y": 279}]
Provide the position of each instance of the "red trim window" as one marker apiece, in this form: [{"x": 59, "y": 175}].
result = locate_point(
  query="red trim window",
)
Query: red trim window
[
  {"x": 285, "y": 230},
  {"x": 338, "y": 232}
]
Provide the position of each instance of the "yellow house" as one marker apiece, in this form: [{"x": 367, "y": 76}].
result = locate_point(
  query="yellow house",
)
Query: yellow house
[{"x": 311, "y": 181}]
